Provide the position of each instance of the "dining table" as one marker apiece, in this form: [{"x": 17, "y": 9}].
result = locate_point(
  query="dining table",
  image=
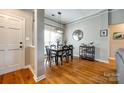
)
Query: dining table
[{"x": 57, "y": 51}]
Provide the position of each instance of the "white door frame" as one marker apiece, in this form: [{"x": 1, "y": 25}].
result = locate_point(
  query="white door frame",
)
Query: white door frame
[{"x": 23, "y": 38}]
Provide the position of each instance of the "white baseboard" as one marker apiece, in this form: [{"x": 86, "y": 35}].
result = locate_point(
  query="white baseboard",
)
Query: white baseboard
[
  {"x": 95, "y": 59},
  {"x": 99, "y": 60},
  {"x": 8, "y": 70},
  {"x": 30, "y": 68},
  {"x": 103, "y": 61},
  {"x": 37, "y": 79},
  {"x": 76, "y": 55},
  {"x": 27, "y": 66},
  {"x": 111, "y": 58}
]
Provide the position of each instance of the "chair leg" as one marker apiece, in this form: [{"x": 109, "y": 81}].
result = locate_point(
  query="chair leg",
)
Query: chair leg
[
  {"x": 46, "y": 60},
  {"x": 67, "y": 59},
  {"x": 61, "y": 60},
  {"x": 50, "y": 63},
  {"x": 71, "y": 57}
]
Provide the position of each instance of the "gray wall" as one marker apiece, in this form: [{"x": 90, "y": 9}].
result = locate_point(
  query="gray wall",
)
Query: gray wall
[
  {"x": 39, "y": 42},
  {"x": 116, "y": 16},
  {"x": 91, "y": 29}
]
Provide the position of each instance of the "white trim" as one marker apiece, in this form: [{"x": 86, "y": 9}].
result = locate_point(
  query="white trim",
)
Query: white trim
[
  {"x": 111, "y": 58},
  {"x": 27, "y": 66},
  {"x": 11, "y": 15},
  {"x": 30, "y": 68},
  {"x": 37, "y": 79},
  {"x": 103, "y": 61},
  {"x": 99, "y": 60},
  {"x": 91, "y": 16},
  {"x": 23, "y": 38},
  {"x": 35, "y": 41},
  {"x": 76, "y": 55},
  {"x": 11, "y": 69}
]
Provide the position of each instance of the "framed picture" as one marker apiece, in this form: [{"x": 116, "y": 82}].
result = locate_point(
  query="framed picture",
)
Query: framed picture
[
  {"x": 118, "y": 35},
  {"x": 104, "y": 33}
]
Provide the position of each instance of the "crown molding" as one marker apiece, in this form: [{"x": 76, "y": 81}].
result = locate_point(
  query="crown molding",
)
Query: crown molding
[
  {"x": 94, "y": 15},
  {"x": 53, "y": 20},
  {"x": 87, "y": 17}
]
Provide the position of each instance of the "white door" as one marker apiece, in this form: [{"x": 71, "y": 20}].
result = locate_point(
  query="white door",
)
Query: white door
[{"x": 11, "y": 44}]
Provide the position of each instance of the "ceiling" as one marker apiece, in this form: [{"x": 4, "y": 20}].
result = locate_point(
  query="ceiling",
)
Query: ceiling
[{"x": 69, "y": 15}]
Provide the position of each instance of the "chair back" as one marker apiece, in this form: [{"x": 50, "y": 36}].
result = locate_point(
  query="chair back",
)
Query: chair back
[
  {"x": 60, "y": 46},
  {"x": 52, "y": 46},
  {"x": 65, "y": 47},
  {"x": 70, "y": 49},
  {"x": 47, "y": 50},
  {"x": 70, "y": 46},
  {"x": 65, "y": 51}
]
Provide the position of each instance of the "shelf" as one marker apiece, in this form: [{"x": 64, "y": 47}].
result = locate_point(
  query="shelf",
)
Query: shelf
[{"x": 87, "y": 52}]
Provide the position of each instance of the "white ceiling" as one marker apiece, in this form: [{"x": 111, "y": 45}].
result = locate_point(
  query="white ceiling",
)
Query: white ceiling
[{"x": 70, "y": 15}]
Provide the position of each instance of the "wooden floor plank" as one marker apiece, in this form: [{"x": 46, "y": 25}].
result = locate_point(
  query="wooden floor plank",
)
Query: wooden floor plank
[{"x": 76, "y": 72}]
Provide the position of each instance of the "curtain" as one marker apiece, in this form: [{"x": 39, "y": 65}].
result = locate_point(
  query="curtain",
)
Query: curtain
[{"x": 52, "y": 35}]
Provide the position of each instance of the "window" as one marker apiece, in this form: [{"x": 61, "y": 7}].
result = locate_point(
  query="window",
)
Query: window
[
  {"x": 52, "y": 35},
  {"x": 47, "y": 37}
]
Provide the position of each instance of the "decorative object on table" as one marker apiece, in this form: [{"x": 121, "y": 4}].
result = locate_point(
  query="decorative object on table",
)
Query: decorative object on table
[
  {"x": 103, "y": 33},
  {"x": 89, "y": 44},
  {"x": 118, "y": 35},
  {"x": 65, "y": 42},
  {"x": 77, "y": 35},
  {"x": 82, "y": 44},
  {"x": 58, "y": 42}
]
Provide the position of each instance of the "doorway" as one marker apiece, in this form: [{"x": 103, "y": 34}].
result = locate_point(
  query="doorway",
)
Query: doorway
[
  {"x": 12, "y": 43},
  {"x": 117, "y": 43}
]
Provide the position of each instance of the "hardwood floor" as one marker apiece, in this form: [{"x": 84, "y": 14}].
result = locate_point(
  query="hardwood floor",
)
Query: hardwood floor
[{"x": 76, "y": 72}]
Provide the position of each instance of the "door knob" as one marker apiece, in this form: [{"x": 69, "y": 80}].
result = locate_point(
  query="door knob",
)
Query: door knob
[
  {"x": 20, "y": 42},
  {"x": 20, "y": 46}
]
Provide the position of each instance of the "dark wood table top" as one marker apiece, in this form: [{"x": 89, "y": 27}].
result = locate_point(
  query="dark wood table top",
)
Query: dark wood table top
[{"x": 58, "y": 49}]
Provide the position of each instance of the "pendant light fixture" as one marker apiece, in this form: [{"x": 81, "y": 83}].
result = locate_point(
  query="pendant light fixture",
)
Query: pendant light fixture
[
  {"x": 59, "y": 19},
  {"x": 59, "y": 27}
]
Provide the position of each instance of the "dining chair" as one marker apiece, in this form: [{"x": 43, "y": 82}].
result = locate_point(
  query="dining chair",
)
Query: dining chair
[
  {"x": 47, "y": 53},
  {"x": 52, "y": 46},
  {"x": 70, "y": 53},
  {"x": 49, "y": 56},
  {"x": 65, "y": 52},
  {"x": 54, "y": 54},
  {"x": 60, "y": 46}
]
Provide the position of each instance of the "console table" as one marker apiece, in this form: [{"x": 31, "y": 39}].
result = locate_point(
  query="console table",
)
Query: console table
[{"x": 87, "y": 52}]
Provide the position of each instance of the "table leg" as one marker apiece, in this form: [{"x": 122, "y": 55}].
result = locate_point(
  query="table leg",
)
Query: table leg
[
  {"x": 72, "y": 54},
  {"x": 56, "y": 58}
]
